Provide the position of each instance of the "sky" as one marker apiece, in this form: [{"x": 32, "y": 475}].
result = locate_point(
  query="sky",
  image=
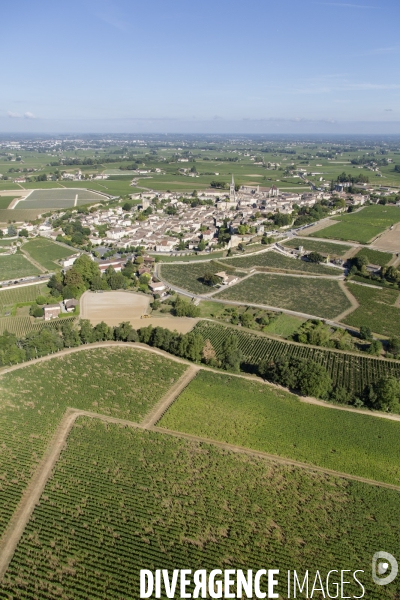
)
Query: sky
[{"x": 215, "y": 66}]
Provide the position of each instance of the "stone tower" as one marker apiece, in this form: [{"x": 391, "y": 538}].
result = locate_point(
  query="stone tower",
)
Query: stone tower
[{"x": 232, "y": 192}]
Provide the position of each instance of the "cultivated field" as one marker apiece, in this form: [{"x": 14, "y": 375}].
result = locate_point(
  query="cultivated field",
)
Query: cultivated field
[
  {"x": 147, "y": 500},
  {"x": 351, "y": 371},
  {"x": 189, "y": 277},
  {"x": 247, "y": 414},
  {"x": 15, "y": 266},
  {"x": 18, "y": 215},
  {"x": 363, "y": 225},
  {"x": 46, "y": 252},
  {"x": 379, "y": 309},
  {"x": 389, "y": 241},
  {"x": 115, "y": 307},
  {"x": 119, "y": 382},
  {"x": 375, "y": 257},
  {"x": 58, "y": 198},
  {"x": 278, "y": 262},
  {"x": 21, "y": 326},
  {"x": 318, "y": 246},
  {"x": 312, "y": 296}
]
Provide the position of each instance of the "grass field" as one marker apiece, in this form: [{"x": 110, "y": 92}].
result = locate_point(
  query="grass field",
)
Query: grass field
[
  {"x": 15, "y": 266},
  {"x": 375, "y": 257},
  {"x": 351, "y": 371},
  {"x": 261, "y": 417},
  {"x": 362, "y": 226},
  {"x": 5, "y": 242},
  {"x": 19, "y": 215},
  {"x": 113, "y": 381},
  {"x": 46, "y": 252},
  {"x": 147, "y": 501},
  {"x": 59, "y": 198},
  {"x": 188, "y": 277},
  {"x": 318, "y": 246},
  {"x": 284, "y": 325},
  {"x": 311, "y": 296},
  {"x": 279, "y": 262},
  {"x": 376, "y": 310}
]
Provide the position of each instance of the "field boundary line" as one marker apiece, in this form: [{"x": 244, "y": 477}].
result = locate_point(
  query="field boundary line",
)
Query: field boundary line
[
  {"x": 272, "y": 457},
  {"x": 169, "y": 398},
  {"x": 33, "y": 261},
  {"x": 353, "y": 301},
  {"x": 32, "y": 493}
]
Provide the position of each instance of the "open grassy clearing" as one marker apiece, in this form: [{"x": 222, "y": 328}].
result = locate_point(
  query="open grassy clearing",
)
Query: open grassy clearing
[
  {"x": 351, "y": 371},
  {"x": 375, "y": 257},
  {"x": 46, "y": 252},
  {"x": 318, "y": 246},
  {"x": 114, "y": 381},
  {"x": 261, "y": 417},
  {"x": 317, "y": 297},
  {"x": 278, "y": 262},
  {"x": 361, "y": 226},
  {"x": 189, "y": 277},
  {"x": 15, "y": 266},
  {"x": 5, "y": 242},
  {"x": 284, "y": 325},
  {"x": 147, "y": 500},
  {"x": 377, "y": 309}
]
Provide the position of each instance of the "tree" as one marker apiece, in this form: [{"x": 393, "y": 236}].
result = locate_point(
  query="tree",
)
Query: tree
[
  {"x": 36, "y": 311},
  {"x": 123, "y": 331},
  {"x": 394, "y": 345},
  {"x": 365, "y": 333},
  {"x": 86, "y": 331},
  {"x": 387, "y": 394},
  {"x": 313, "y": 379},
  {"x": 11, "y": 230},
  {"x": 209, "y": 355},
  {"x": 23, "y": 233},
  {"x": 230, "y": 354},
  {"x": 210, "y": 279},
  {"x": 102, "y": 332},
  {"x": 375, "y": 348},
  {"x": 315, "y": 257}
]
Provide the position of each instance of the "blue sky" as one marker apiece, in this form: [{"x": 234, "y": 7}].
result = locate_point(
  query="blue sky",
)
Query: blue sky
[{"x": 214, "y": 66}]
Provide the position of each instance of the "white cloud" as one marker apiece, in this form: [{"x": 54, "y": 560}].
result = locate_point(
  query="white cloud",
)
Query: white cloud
[
  {"x": 14, "y": 115},
  {"x": 29, "y": 115}
]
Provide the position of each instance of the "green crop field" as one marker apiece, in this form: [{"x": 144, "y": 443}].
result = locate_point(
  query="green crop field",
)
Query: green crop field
[
  {"x": 188, "y": 277},
  {"x": 21, "y": 326},
  {"x": 361, "y": 226},
  {"x": 284, "y": 325},
  {"x": 379, "y": 309},
  {"x": 59, "y": 198},
  {"x": 114, "y": 381},
  {"x": 19, "y": 215},
  {"x": 318, "y": 246},
  {"x": 312, "y": 296},
  {"x": 46, "y": 252},
  {"x": 5, "y": 201},
  {"x": 352, "y": 371},
  {"x": 279, "y": 262},
  {"x": 121, "y": 500},
  {"x": 26, "y": 293},
  {"x": 374, "y": 257},
  {"x": 232, "y": 410},
  {"x": 15, "y": 266}
]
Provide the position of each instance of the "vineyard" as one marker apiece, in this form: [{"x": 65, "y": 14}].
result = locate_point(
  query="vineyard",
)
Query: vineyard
[
  {"x": 45, "y": 252},
  {"x": 121, "y": 500},
  {"x": 379, "y": 309},
  {"x": 317, "y": 246},
  {"x": 240, "y": 412},
  {"x": 350, "y": 371},
  {"x": 14, "y": 266},
  {"x": 312, "y": 296},
  {"x": 21, "y": 326},
  {"x": 189, "y": 276},
  {"x": 28, "y": 293},
  {"x": 114, "y": 381},
  {"x": 279, "y": 262}
]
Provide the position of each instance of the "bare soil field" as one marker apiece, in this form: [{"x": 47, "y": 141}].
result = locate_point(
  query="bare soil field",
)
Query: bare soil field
[
  {"x": 389, "y": 241},
  {"x": 115, "y": 307},
  {"x": 321, "y": 225}
]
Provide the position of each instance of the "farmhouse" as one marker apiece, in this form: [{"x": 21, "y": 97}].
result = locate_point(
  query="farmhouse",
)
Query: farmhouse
[
  {"x": 70, "y": 304},
  {"x": 51, "y": 311},
  {"x": 227, "y": 279}
]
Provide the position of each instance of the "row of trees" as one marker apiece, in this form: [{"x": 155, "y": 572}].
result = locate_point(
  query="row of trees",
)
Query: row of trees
[{"x": 304, "y": 376}]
